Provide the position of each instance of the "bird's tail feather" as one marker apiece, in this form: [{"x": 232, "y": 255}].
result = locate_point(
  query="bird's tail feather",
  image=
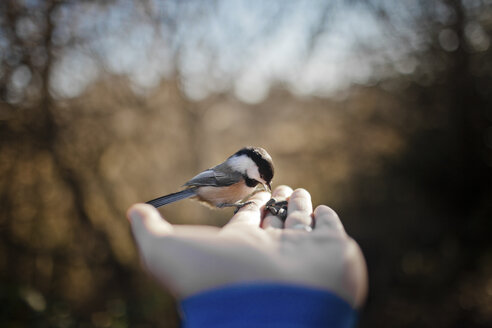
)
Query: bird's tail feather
[{"x": 171, "y": 198}]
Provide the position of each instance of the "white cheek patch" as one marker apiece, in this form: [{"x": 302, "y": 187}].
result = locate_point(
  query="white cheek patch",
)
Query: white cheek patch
[
  {"x": 241, "y": 163},
  {"x": 253, "y": 173},
  {"x": 245, "y": 165}
]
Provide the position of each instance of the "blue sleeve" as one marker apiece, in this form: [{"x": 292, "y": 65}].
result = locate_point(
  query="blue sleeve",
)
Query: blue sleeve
[{"x": 266, "y": 305}]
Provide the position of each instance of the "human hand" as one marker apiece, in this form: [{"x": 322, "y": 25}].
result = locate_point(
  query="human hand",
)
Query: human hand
[{"x": 252, "y": 248}]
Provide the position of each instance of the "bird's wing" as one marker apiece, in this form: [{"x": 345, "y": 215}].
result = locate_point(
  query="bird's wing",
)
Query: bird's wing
[{"x": 218, "y": 176}]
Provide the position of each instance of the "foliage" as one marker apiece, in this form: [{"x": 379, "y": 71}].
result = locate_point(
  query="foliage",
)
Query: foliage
[{"x": 104, "y": 104}]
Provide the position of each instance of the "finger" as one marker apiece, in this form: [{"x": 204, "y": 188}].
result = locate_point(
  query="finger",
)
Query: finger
[
  {"x": 146, "y": 220},
  {"x": 300, "y": 209},
  {"x": 327, "y": 219},
  {"x": 251, "y": 214},
  {"x": 272, "y": 221},
  {"x": 282, "y": 192}
]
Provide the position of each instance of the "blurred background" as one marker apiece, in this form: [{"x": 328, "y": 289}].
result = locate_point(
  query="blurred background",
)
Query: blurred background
[{"x": 381, "y": 109}]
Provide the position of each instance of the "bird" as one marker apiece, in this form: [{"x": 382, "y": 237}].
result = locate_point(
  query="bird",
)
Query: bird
[{"x": 227, "y": 184}]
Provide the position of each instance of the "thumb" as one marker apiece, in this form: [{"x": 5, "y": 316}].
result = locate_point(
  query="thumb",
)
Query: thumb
[{"x": 147, "y": 222}]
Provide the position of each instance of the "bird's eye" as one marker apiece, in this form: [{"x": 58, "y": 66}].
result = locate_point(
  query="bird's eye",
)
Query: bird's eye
[{"x": 250, "y": 182}]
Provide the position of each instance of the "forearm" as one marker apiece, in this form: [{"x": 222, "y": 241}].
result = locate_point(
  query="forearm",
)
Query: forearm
[{"x": 267, "y": 305}]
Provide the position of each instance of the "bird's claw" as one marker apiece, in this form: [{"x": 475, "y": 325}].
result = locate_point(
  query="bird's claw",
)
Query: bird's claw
[
  {"x": 241, "y": 205},
  {"x": 238, "y": 206}
]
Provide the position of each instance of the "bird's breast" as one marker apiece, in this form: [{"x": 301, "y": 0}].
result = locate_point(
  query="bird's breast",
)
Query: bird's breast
[{"x": 224, "y": 195}]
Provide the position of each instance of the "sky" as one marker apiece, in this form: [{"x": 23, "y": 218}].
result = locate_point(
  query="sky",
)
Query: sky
[{"x": 231, "y": 46}]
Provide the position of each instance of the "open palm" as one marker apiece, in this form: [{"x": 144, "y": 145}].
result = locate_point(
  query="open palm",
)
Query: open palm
[{"x": 253, "y": 248}]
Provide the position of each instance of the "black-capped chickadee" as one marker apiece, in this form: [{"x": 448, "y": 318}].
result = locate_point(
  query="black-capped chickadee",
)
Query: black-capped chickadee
[{"x": 226, "y": 184}]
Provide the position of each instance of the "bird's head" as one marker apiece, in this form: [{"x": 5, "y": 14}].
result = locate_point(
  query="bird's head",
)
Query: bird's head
[{"x": 255, "y": 164}]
